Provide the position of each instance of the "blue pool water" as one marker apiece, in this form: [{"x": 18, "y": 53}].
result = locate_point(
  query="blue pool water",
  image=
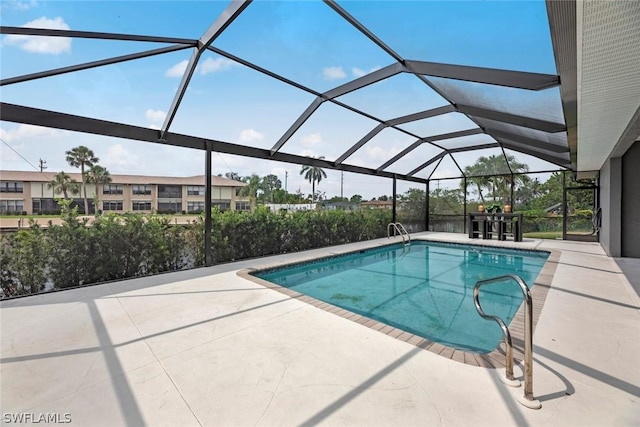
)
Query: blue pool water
[{"x": 425, "y": 288}]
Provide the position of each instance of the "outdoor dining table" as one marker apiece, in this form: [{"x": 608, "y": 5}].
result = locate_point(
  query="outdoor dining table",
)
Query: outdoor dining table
[{"x": 485, "y": 225}]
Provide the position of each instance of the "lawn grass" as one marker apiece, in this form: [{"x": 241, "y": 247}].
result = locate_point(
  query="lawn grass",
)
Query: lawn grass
[{"x": 544, "y": 235}]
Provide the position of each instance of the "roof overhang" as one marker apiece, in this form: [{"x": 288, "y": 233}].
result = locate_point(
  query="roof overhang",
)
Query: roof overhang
[{"x": 597, "y": 50}]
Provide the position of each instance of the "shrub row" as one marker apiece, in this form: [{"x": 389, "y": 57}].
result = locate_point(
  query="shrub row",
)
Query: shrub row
[{"x": 121, "y": 246}]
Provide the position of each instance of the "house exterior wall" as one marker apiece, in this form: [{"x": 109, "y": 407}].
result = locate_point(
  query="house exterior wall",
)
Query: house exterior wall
[
  {"x": 620, "y": 203},
  {"x": 610, "y": 202},
  {"x": 630, "y": 221},
  {"x": 39, "y": 189}
]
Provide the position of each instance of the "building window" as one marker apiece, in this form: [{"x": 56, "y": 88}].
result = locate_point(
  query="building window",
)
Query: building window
[
  {"x": 195, "y": 207},
  {"x": 169, "y": 192},
  {"x": 195, "y": 190},
  {"x": 112, "y": 189},
  {"x": 222, "y": 205},
  {"x": 141, "y": 189},
  {"x": 47, "y": 206},
  {"x": 169, "y": 207},
  {"x": 11, "y": 187},
  {"x": 141, "y": 205},
  {"x": 11, "y": 206},
  {"x": 112, "y": 205},
  {"x": 243, "y": 206}
]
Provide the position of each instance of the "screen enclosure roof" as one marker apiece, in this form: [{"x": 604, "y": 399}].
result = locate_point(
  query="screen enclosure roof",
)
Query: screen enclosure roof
[{"x": 400, "y": 89}]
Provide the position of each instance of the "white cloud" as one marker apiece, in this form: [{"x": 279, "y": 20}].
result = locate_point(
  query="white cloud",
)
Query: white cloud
[
  {"x": 379, "y": 153},
  {"x": 229, "y": 163},
  {"x": 249, "y": 135},
  {"x": 311, "y": 139},
  {"x": 358, "y": 72},
  {"x": 8, "y": 155},
  {"x": 211, "y": 65},
  {"x": 32, "y": 142},
  {"x": 38, "y": 44},
  {"x": 333, "y": 73},
  {"x": 178, "y": 69},
  {"x": 26, "y": 132},
  {"x": 155, "y": 116},
  {"x": 279, "y": 172},
  {"x": 18, "y": 4},
  {"x": 444, "y": 173},
  {"x": 119, "y": 157}
]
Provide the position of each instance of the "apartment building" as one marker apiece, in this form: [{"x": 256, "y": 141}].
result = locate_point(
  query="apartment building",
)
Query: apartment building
[{"x": 30, "y": 193}]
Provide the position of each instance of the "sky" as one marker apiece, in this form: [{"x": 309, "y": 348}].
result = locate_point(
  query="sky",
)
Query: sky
[{"x": 305, "y": 41}]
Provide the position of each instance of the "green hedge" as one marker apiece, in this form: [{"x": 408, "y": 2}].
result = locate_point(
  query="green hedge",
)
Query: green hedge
[{"x": 131, "y": 245}]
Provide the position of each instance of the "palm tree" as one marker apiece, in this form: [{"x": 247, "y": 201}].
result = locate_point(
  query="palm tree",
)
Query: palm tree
[
  {"x": 63, "y": 183},
  {"x": 313, "y": 174},
  {"x": 82, "y": 157},
  {"x": 251, "y": 189},
  {"x": 486, "y": 172},
  {"x": 98, "y": 175},
  {"x": 475, "y": 173}
]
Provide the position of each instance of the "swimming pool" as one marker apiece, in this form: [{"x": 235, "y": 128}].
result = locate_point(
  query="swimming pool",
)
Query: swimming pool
[{"x": 425, "y": 288}]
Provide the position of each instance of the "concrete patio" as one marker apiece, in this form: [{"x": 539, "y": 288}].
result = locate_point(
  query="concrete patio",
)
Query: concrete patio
[{"x": 207, "y": 347}]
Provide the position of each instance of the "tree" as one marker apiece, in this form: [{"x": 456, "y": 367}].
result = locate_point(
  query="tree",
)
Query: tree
[
  {"x": 280, "y": 196},
  {"x": 356, "y": 198},
  {"x": 336, "y": 199},
  {"x": 313, "y": 174},
  {"x": 269, "y": 184},
  {"x": 30, "y": 259},
  {"x": 528, "y": 192},
  {"x": 9, "y": 285},
  {"x": 474, "y": 172},
  {"x": 83, "y": 158},
  {"x": 63, "y": 184},
  {"x": 549, "y": 193},
  {"x": 69, "y": 242},
  {"x": 233, "y": 175},
  {"x": 445, "y": 201},
  {"x": 252, "y": 187},
  {"x": 492, "y": 174},
  {"x": 413, "y": 201},
  {"x": 98, "y": 175}
]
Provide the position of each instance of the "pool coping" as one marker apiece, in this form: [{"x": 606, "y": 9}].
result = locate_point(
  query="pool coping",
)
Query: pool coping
[{"x": 494, "y": 359}]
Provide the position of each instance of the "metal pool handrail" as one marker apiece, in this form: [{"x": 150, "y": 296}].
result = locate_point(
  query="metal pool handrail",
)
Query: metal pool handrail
[
  {"x": 398, "y": 229},
  {"x": 528, "y": 399}
]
